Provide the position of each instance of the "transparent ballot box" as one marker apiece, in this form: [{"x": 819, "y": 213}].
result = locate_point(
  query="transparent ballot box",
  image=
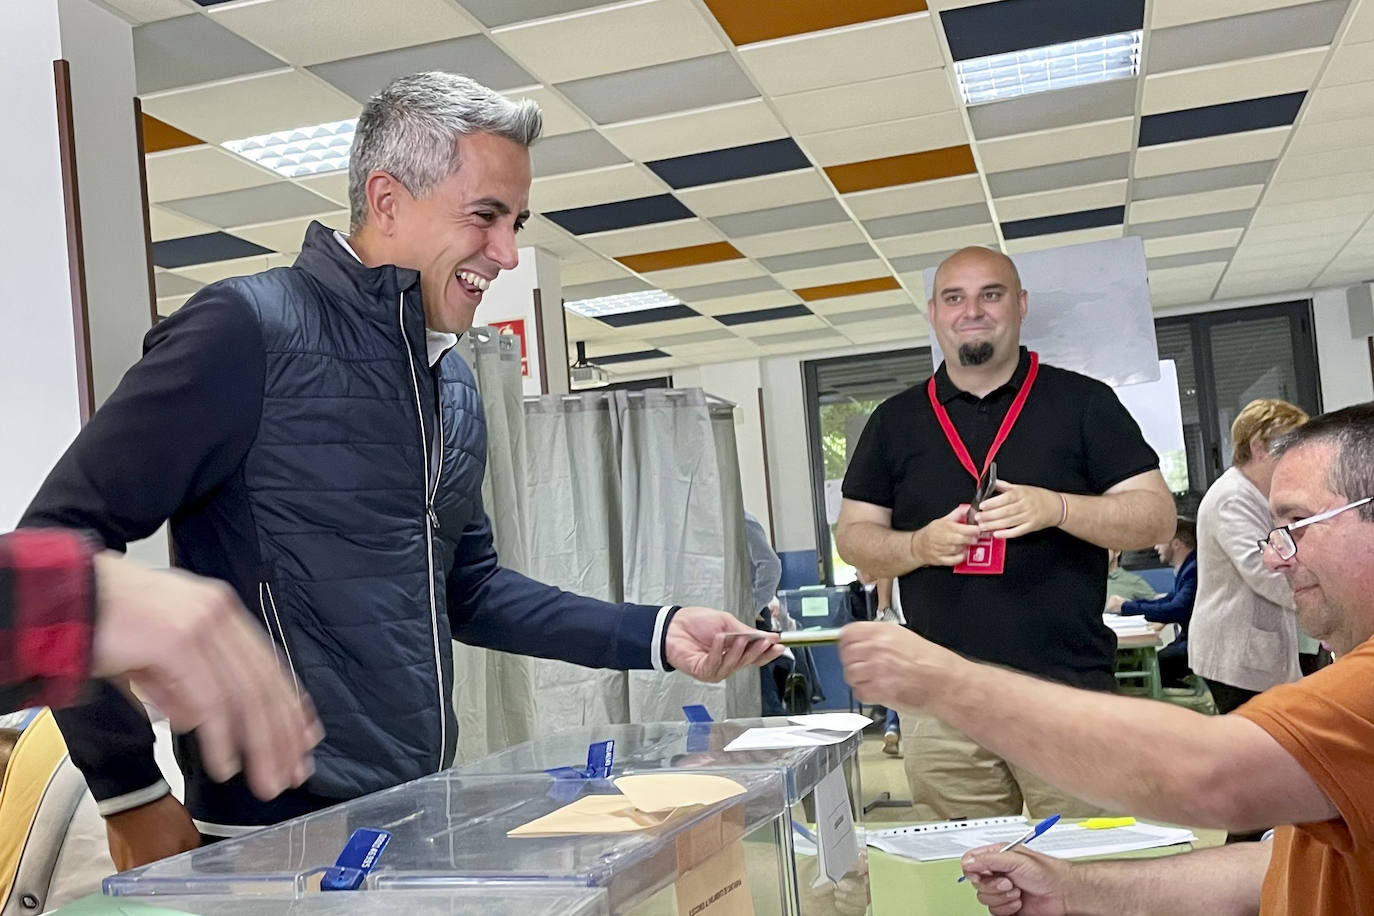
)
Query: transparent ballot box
[
  {"x": 512, "y": 900},
  {"x": 675, "y": 745},
  {"x": 450, "y": 830}
]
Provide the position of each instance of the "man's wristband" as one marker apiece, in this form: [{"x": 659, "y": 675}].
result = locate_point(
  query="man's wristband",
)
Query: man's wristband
[{"x": 663, "y": 637}]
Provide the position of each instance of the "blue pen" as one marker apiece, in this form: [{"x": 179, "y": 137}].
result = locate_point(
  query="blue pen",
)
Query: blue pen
[{"x": 1026, "y": 837}]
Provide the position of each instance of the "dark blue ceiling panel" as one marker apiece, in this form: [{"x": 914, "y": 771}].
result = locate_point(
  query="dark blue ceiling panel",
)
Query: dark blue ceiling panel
[
  {"x": 786, "y": 311},
  {"x": 731, "y": 164},
  {"x": 1064, "y": 222},
  {"x": 1215, "y": 120},
  {"x": 1015, "y": 25},
  {"x": 642, "y": 211},
  {"x": 648, "y": 316},
  {"x": 203, "y": 249},
  {"x": 634, "y": 357}
]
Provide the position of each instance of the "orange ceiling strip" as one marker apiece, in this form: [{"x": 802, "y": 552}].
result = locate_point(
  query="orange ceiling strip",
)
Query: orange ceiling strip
[
  {"x": 906, "y": 169},
  {"x": 159, "y": 136},
  {"x": 747, "y": 21},
  {"x": 853, "y": 288},
  {"x": 681, "y": 257}
]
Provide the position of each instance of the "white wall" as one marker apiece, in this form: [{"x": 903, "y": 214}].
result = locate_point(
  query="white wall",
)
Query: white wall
[
  {"x": 1343, "y": 359},
  {"x": 38, "y": 397},
  {"x": 739, "y": 382}
]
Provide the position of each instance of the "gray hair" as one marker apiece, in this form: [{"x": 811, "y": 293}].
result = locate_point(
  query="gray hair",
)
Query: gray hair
[
  {"x": 411, "y": 128},
  {"x": 1350, "y": 431}
]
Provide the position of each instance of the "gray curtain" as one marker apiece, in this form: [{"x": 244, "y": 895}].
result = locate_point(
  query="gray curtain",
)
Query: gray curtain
[{"x": 494, "y": 692}]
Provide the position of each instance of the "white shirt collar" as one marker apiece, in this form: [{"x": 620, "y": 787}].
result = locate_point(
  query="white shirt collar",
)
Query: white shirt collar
[{"x": 437, "y": 343}]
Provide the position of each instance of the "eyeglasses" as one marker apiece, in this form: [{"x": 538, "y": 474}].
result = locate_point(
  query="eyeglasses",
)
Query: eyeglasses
[{"x": 1280, "y": 539}]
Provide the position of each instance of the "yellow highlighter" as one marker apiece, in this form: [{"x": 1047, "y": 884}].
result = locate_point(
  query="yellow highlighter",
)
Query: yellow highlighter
[{"x": 1103, "y": 823}]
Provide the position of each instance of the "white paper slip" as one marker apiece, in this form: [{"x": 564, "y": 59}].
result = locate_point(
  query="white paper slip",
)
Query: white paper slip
[
  {"x": 1064, "y": 841},
  {"x": 835, "y": 827},
  {"x": 833, "y": 721},
  {"x": 785, "y": 736}
]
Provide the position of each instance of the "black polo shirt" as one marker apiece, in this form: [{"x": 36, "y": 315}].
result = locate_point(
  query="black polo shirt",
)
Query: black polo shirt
[{"x": 1043, "y": 615}]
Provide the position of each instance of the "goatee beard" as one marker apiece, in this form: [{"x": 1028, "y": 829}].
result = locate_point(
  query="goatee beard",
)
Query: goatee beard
[{"x": 974, "y": 354}]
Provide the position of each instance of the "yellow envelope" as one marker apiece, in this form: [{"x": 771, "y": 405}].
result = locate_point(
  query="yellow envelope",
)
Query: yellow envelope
[
  {"x": 669, "y": 791},
  {"x": 591, "y": 814}
]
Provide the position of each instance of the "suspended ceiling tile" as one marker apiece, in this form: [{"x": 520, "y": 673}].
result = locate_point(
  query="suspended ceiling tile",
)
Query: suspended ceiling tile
[
  {"x": 653, "y": 238},
  {"x": 1081, "y": 141},
  {"x": 1015, "y": 25},
  {"x": 267, "y": 203},
  {"x": 290, "y": 28},
  {"x": 333, "y": 185},
  {"x": 603, "y": 40},
  {"x": 1096, "y": 170},
  {"x": 642, "y": 211},
  {"x": 1194, "y": 276},
  {"x": 846, "y": 309},
  {"x": 1275, "y": 31},
  {"x": 1215, "y": 120},
  {"x": 287, "y": 235},
  {"x": 1334, "y": 186},
  {"x": 1068, "y": 200},
  {"x": 1325, "y": 164},
  {"x": 1062, "y": 239},
  {"x": 650, "y": 91},
  {"x": 779, "y": 219},
  {"x": 718, "y": 273},
  {"x": 617, "y": 286},
  {"x": 809, "y": 277},
  {"x": 1230, "y": 149},
  {"x": 1333, "y": 226},
  {"x": 167, "y": 224},
  {"x": 892, "y": 98},
  {"x": 1232, "y": 82},
  {"x": 729, "y": 350},
  {"x": 801, "y": 341},
  {"x": 1339, "y": 103},
  {"x": 496, "y": 13},
  {"x": 1235, "y": 219},
  {"x": 781, "y": 326},
  {"x": 362, "y": 76},
  {"x": 897, "y": 315},
  {"x": 241, "y": 267},
  {"x": 762, "y": 300},
  {"x": 634, "y": 360},
  {"x": 689, "y": 256},
  {"x": 944, "y": 240},
  {"x": 884, "y": 332},
  {"x": 762, "y": 193},
  {"x": 915, "y": 263},
  {"x": 1178, "y": 183},
  {"x": 1169, "y": 13},
  {"x": 575, "y": 152},
  {"x": 189, "y": 50},
  {"x": 200, "y": 170},
  {"x": 826, "y": 236},
  {"x": 1185, "y": 205},
  {"x": 899, "y": 170},
  {"x": 1191, "y": 258},
  {"x": 141, "y": 12},
  {"x": 159, "y": 137},
  {"x": 732, "y": 164},
  {"x": 1350, "y": 63},
  {"x": 914, "y": 198},
  {"x": 850, "y": 54},
  {"x": 558, "y": 116},
  {"x": 168, "y": 307},
  {"x": 761, "y": 316},
  {"x": 1308, "y": 211},
  {"x": 583, "y": 189},
  {"x": 169, "y": 285},
  {"x": 252, "y": 106},
  {"x": 1361, "y": 26},
  {"x": 748, "y": 21},
  {"x": 732, "y": 289},
  {"x": 844, "y": 254},
  {"x": 890, "y": 138},
  {"x": 872, "y": 284},
  {"x": 662, "y": 319},
  {"x": 594, "y": 271},
  {"x": 1197, "y": 241},
  {"x": 203, "y": 249},
  {"x": 1050, "y": 110},
  {"x": 580, "y": 328},
  {"x": 927, "y": 221},
  {"x": 1234, "y": 285},
  {"x": 1060, "y": 224},
  {"x": 734, "y": 124}
]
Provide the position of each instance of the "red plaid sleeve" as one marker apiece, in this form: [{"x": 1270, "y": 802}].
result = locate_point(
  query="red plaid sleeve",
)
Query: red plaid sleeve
[{"x": 47, "y": 608}]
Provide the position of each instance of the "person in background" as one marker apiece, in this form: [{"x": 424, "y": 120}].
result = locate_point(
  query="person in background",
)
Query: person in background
[
  {"x": 1074, "y": 476},
  {"x": 1123, "y": 583},
  {"x": 1176, "y": 607},
  {"x": 1299, "y": 755},
  {"x": 1244, "y": 635},
  {"x": 69, "y": 613},
  {"x": 889, "y": 611},
  {"x": 765, "y": 570}
]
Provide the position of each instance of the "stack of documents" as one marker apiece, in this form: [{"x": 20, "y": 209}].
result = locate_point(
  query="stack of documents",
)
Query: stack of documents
[
  {"x": 1132, "y": 625},
  {"x": 951, "y": 839}
]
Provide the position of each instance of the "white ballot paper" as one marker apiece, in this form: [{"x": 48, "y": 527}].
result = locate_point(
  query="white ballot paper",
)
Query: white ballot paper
[
  {"x": 951, "y": 839},
  {"x": 809, "y": 731},
  {"x": 839, "y": 847}
]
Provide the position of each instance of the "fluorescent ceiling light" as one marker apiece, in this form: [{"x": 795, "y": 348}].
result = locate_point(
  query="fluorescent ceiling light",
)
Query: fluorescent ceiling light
[
  {"x": 625, "y": 302},
  {"x": 1076, "y": 63},
  {"x": 300, "y": 151}
]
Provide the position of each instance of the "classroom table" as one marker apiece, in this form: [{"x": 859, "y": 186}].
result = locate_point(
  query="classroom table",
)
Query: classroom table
[{"x": 1137, "y": 658}]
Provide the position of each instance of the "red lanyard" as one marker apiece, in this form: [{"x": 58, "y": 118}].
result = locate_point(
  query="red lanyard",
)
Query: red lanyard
[{"x": 1013, "y": 413}]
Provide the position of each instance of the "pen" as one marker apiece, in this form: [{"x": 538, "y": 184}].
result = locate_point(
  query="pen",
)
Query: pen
[{"x": 1026, "y": 837}]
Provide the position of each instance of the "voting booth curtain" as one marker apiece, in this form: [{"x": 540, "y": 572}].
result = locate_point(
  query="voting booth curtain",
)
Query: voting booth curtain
[{"x": 623, "y": 496}]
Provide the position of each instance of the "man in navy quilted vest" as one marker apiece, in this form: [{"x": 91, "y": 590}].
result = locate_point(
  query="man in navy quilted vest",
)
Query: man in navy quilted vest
[{"x": 315, "y": 444}]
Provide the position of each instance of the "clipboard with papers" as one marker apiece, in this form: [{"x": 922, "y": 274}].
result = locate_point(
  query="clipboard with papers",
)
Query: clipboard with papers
[{"x": 951, "y": 839}]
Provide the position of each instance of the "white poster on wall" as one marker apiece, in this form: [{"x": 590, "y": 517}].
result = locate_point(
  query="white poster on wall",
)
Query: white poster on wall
[
  {"x": 1089, "y": 310},
  {"x": 1157, "y": 409}
]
